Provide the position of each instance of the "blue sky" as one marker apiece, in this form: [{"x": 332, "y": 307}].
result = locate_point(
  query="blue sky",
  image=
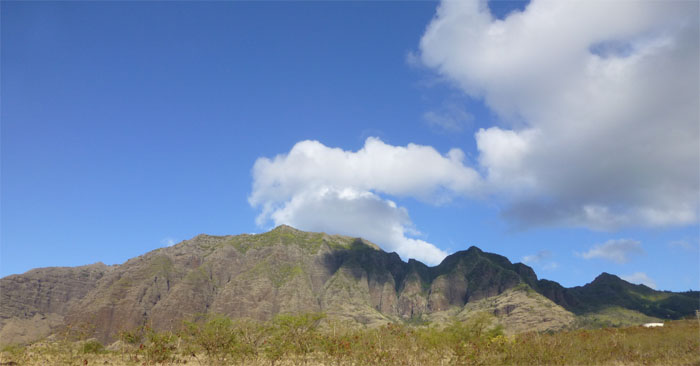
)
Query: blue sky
[{"x": 425, "y": 127}]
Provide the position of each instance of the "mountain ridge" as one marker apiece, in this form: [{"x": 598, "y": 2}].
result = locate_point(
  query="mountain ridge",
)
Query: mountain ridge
[{"x": 288, "y": 270}]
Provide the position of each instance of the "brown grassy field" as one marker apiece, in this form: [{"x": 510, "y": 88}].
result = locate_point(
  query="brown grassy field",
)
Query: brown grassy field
[{"x": 305, "y": 340}]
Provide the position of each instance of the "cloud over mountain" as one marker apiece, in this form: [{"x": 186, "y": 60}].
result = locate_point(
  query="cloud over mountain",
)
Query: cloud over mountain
[
  {"x": 537, "y": 257},
  {"x": 598, "y": 102},
  {"x": 598, "y": 111},
  {"x": 640, "y": 278},
  {"x": 315, "y": 187}
]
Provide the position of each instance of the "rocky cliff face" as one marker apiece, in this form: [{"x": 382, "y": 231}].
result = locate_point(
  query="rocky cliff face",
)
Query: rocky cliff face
[
  {"x": 33, "y": 304},
  {"x": 258, "y": 276}
]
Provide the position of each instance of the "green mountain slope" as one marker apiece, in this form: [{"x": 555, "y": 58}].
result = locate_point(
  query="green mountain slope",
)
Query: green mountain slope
[{"x": 611, "y": 291}]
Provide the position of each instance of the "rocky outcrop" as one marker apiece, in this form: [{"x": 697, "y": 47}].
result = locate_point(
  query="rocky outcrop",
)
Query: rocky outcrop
[
  {"x": 518, "y": 309},
  {"x": 33, "y": 305},
  {"x": 47, "y": 290}
]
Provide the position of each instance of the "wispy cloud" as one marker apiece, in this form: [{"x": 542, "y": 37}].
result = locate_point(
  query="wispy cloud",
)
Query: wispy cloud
[
  {"x": 617, "y": 250},
  {"x": 449, "y": 118},
  {"x": 168, "y": 241},
  {"x": 683, "y": 244},
  {"x": 542, "y": 260},
  {"x": 538, "y": 257},
  {"x": 640, "y": 278}
]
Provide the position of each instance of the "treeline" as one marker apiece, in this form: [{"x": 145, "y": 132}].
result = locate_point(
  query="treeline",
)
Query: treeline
[{"x": 309, "y": 339}]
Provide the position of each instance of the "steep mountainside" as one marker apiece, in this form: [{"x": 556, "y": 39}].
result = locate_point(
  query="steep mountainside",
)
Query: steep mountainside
[
  {"x": 32, "y": 305},
  {"x": 287, "y": 270}
]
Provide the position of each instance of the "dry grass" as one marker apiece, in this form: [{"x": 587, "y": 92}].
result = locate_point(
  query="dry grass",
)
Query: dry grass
[{"x": 297, "y": 340}]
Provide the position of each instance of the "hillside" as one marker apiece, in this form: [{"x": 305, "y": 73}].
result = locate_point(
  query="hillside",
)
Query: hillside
[
  {"x": 287, "y": 270},
  {"x": 608, "y": 291}
]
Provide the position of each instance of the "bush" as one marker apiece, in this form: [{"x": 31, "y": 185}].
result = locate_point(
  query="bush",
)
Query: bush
[
  {"x": 159, "y": 347},
  {"x": 217, "y": 337},
  {"x": 92, "y": 346},
  {"x": 14, "y": 350},
  {"x": 292, "y": 334},
  {"x": 297, "y": 339},
  {"x": 132, "y": 337}
]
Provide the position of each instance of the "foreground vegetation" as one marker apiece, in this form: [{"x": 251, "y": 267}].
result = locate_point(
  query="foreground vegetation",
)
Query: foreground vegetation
[{"x": 308, "y": 340}]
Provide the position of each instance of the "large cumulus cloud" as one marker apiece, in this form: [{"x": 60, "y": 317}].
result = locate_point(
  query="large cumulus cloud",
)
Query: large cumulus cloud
[
  {"x": 599, "y": 104},
  {"x": 316, "y": 187},
  {"x": 599, "y": 128}
]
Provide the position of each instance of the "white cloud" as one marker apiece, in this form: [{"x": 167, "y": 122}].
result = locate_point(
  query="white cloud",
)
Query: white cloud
[
  {"x": 640, "y": 278},
  {"x": 618, "y": 250},
  {"x": 315, "y": 187},
  {"x": 357, "y": 213},
  {"x": 414, "y": 170},
  {"x": 599, "y": 110},
  {"x": 598, "y": 102}
]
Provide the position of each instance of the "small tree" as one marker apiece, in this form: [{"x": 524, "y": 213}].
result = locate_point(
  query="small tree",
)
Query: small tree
[
  {"x": 295, "y": 334},
  {"x": 158, "y": 346},
  {"x": 466, "y": 338},
  {"x": 217, "y": 337}
]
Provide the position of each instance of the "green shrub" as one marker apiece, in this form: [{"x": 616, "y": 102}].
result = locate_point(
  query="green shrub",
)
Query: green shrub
[
  {"x": 132, "y": 337},
  {"x": 217, "y": 337},
  {"x": 14, "y": 350},
  {"x": 158, "y": 347},
  {"x": 92, "y": 346},
  {"x": 291, "y": 335},
  {"x": 297, "y": 339}
]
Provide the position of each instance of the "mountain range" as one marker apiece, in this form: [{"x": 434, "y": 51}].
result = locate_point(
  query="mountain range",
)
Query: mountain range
[{"x": 287, "y": 271}]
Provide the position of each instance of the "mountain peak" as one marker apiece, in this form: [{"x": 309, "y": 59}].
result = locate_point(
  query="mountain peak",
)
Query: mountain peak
[
  {"x": 456, "y": 256},
  {"x": 474, "y": 249},
  {"x": 606, "y": 278},
  {"x": 286, "y": 228}
]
